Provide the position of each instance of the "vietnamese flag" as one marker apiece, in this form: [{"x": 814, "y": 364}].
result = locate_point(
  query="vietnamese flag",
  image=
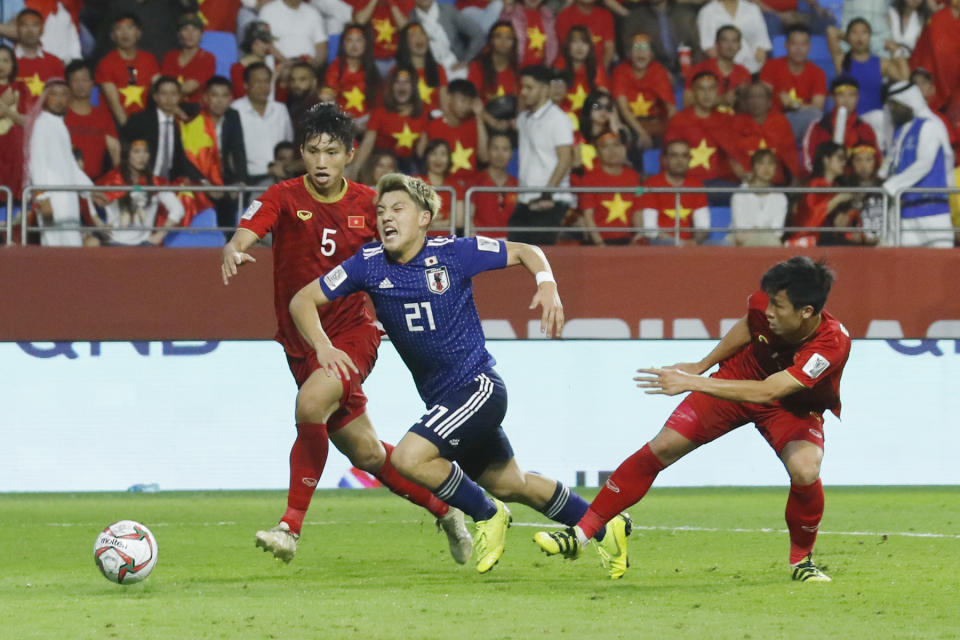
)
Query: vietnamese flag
[{"x": 200, "y": 145}]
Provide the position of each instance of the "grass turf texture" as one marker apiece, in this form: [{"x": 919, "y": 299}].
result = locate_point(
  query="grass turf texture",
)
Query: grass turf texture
[{"x": 372, "y": 566}]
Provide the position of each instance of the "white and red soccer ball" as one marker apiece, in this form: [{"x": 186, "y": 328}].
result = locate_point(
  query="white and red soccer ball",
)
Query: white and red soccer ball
[{"x": 125, "y": 552}]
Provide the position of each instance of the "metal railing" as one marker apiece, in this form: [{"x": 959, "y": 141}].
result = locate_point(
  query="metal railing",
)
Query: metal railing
[
  {"x": 677, "y": 192},
  {"x": 9, "y": 222}
]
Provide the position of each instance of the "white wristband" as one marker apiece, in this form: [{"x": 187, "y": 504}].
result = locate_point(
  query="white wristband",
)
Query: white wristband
[{"x": 544, "y": 276}]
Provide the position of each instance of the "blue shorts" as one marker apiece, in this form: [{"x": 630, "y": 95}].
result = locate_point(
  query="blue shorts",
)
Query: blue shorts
[{"x": 466, "y": 425}]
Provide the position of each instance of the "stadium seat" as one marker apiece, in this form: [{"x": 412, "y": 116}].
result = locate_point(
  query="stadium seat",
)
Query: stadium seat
[
  {"x": 206, "y": 218},
  {"x": 95, "y": 96},
  {"x": 779, "y": 46},
  {"x": 651, "y": 161},
  {"x": 223, "y": 45},
  {"x": 333, "y": 44},
  {"x": 719, "y": 217}
]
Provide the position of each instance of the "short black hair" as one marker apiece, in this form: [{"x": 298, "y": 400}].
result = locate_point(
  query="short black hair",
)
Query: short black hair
[
  {"x": 463, "y": 87},
  {"x": 844, "y": 80},
  {"x": 254, "y": 66},
  {"x": 30, "y": 12},
  {"x": 706, "y": 73},
  {"x": 798, "y": 28},
  {"x": 162, "y": 80},
  {"x": 77, "y": 65},
  {"x": 284, "y": 145},
  {"x": 806, "y": 282},
  {"x": 132, "y": 17},
  {"x": 728, "y": 27},
  {"x": 327, "y": 118},
  {"x": 218, "y": 81},
  {"x": 538, "y": 72}
]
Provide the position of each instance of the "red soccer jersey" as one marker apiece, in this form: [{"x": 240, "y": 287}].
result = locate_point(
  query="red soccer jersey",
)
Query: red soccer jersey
[
  {"x": 430, "y": 96},
  {"x": 739, "y": 75},
  {"x": 200, "y": 68},
  {"x": 665, "y": 204},
  {"x": 535, "y": 51},
  {"x": 597, "y": 19},
  {"x": 505, "y": 82},
  {"x": 351, "y": 88},
  {"x": 385, "y": 29},
  {"x": 712, "y": 142},
  {"x": 492, "y": 209},
  {"x": 311, "y": 236},
  {"x": 647, "y": 95},
  {"x": 610, "y": 210},
  {"x": 776, "y": 134},
  {"x": 88, "y": 133},
  {"x": 810, "y": 82},
  {"x": 463, "y": 142},
  {"x": 220, "y": 15},
  {"x": 396, "y": 131},
  {"x": 34, "y": 72},
  {"x": 817, "y": 363},
  {"x": 131, "y": 77}
]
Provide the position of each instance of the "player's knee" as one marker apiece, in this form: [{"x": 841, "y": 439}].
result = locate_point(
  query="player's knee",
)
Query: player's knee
[
  {"x": 805, "y": 474},
  {"x": 314, "y": 408},
  {"x": 404, "y": 461},
  {"x": 368, "y": 456}
]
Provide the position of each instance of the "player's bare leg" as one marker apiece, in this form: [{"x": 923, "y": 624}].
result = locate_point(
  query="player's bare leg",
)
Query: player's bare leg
[
  {"x": 804, "y": 510},
  {"x": 359, "y": 442},
  {"x": 318, "y": 398},
  {"x": 419, "y": 460}
]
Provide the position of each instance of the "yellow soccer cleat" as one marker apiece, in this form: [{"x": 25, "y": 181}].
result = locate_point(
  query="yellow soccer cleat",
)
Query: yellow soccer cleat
[
  {"x": 807, "y": 571},
  {"x": 613, "y": 547},
  {"x": 564, "y": 543},
  {"x": 491, "y": 538}
]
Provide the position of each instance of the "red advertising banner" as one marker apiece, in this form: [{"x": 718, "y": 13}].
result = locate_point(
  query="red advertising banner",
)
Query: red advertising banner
[{"x": 611, "y": 292}]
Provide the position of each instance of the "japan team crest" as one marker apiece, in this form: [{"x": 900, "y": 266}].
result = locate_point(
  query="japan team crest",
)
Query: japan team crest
[{"x": 438, "y": 280}]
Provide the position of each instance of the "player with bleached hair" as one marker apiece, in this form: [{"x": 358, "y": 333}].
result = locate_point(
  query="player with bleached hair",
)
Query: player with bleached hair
[
  {"x": 422, "y": 290},
  {"x": 780, "y": 368}
]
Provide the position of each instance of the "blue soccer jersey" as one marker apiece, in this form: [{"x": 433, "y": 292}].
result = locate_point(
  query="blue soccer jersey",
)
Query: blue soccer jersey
[{"x": 426, "y": 306}]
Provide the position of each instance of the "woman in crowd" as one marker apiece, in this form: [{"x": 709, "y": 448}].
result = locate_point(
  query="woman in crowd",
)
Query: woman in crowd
[
  {"x": 496, "y": 71},
  {"x": 353, "y": 75},
  {"x": 813, "y": 210},
  {"x": 398, "y": 123},
  {"x": 599, "y": 116},
  {"x": 438, "y": 163},
  {"x": 413, "y": 51},
  {"x": 907, "y": 18},
  {"x": 579, "y": 58},
  {"x": 12, "y": 111},
  {"x": 750, "y": 211},
  {"x": 257, "y": 46}
]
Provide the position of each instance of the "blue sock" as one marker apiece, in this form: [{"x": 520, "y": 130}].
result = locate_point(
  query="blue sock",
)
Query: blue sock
[
  {"x": 463, "y": 493},
  {"x": 567, "y": 508}
]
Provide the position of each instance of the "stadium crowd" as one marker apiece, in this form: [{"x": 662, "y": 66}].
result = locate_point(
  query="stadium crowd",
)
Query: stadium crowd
[{"x": 501, "y": 93}]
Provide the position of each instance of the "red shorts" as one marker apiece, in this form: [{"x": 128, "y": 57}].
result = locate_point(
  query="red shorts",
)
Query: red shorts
[
  {"x": 361, "y": 345},
  {"x": 702, "y": 418}
]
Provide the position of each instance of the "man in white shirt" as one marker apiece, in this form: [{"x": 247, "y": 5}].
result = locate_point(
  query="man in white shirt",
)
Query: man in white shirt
[
  {"x": 746, "y": 16},
  {"x": 298, "y": 28},
  {"x": 265, "y": 122},
  {"x": 545, "y": 155}
]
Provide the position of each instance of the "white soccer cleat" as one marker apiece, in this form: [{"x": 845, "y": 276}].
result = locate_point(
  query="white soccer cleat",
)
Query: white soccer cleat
[
  {"x": 279, "y": 541},
  {"x": 461, "y": 542}
]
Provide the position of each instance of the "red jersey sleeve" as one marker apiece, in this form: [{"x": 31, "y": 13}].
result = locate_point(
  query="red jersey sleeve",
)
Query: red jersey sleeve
[
  {"x": 261, "y": 216},
  {"x": 819, "y": 358}
]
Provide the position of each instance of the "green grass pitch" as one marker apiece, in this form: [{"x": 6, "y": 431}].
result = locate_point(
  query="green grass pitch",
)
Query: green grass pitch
[{"x": 706, "y": 563}]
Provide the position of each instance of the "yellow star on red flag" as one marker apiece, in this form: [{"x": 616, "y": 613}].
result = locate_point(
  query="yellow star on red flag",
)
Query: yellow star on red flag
[
  {"x": 34, "y": 84},
  {"x": 406, "y": 138},
  {"x": 384, "y": 29},
  {"x": 426, "y": 91},
  {"x": 672, "y": 213},
  {"x": 355, "y": 99},
  {"x": 132, "y": 95},
  {"x": 640, "y": 106},
  {"x": 577, "y": 98},
  {"x": 460, "y": 158},
  {"x": 700, "y": 155},
  {"x": 616, "y": 209},
  {"x": 535, "y": 39}
]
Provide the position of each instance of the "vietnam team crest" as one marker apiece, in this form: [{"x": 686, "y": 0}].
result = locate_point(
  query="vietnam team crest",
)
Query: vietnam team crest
[{"x": 438, "y": 280}]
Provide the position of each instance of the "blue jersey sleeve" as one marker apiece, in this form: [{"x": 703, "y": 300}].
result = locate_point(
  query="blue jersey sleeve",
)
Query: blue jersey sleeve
[
  {"x": 346, "y": 278},
  {"x": 481, "y": 254}
]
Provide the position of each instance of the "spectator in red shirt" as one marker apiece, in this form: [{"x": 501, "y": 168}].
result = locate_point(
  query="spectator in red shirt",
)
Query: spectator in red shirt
[
  {"x": 125, "y": 74},
  {"x": 256, "y": 46},
  {"x": 12, "y": 95},
  {"x": 387, "y": 19},
  {"x": 709, "y": 131},
  {"x": 578, "y": 58},
  {"x": 414, "y": 52},
  {"x": 190, "y": 65},
  {"x": 829, "y": 164},
  {"x": 845, "y": 93},
  {"x": 614, "y": 211},
  {"x": 535, "y": 26},
  {"x": 34, "y": 65},
  {"x": 603, "y": 35},
  {"x": 671, "y": 25},
  {"x": 759, "y": 127},
  {"x": 598, "y": 117},
  {"x": 938, "y": 50},
  {"x": 91, "y": 128},
  {"x": 661, "y": 216},
  {"x": 496, "y": 71},
  {"x": 399, "y": 123},
  {"x": 380, "y": 163},
  {"x": 494, "y": 209},
  {"x": 462, "y": 127},
  {"x": 353, "y": 74},
  {"x": 731, "y": 75},
  {"x": 799, "y": 86},
  {"x": 643, "y": 93},
  {"x": 437, "y": 163}
]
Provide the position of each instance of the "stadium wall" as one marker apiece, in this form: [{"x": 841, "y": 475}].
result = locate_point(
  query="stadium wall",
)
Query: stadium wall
[
  {"x": 92, "y": 416},
  {"x": 609, "y": 292}
]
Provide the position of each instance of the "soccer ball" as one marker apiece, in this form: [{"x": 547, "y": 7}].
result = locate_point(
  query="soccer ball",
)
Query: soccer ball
[{"x": 125, "y": 552}]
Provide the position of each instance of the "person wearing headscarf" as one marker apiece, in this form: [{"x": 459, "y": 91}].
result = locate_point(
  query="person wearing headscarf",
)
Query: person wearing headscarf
[{"x": 921, "y": 157}]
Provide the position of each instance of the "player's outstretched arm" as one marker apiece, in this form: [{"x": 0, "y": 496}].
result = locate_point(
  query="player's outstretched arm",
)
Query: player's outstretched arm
[
  {"x": 532, "y": 258},
  {"x": 303, "y": 310},
  {"x": 736, "y": 339},
  {"x": 234, "y": 253},
  {"x": 671, "y": 382}
]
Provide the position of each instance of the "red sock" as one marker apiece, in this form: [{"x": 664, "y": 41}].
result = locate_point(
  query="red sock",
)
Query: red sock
[
  {"x": 308, "y": 457},
  {"x": 416, "y": 494},
  {"x": 803, "y": 514},
  {"x": 626, "y": 486}
]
